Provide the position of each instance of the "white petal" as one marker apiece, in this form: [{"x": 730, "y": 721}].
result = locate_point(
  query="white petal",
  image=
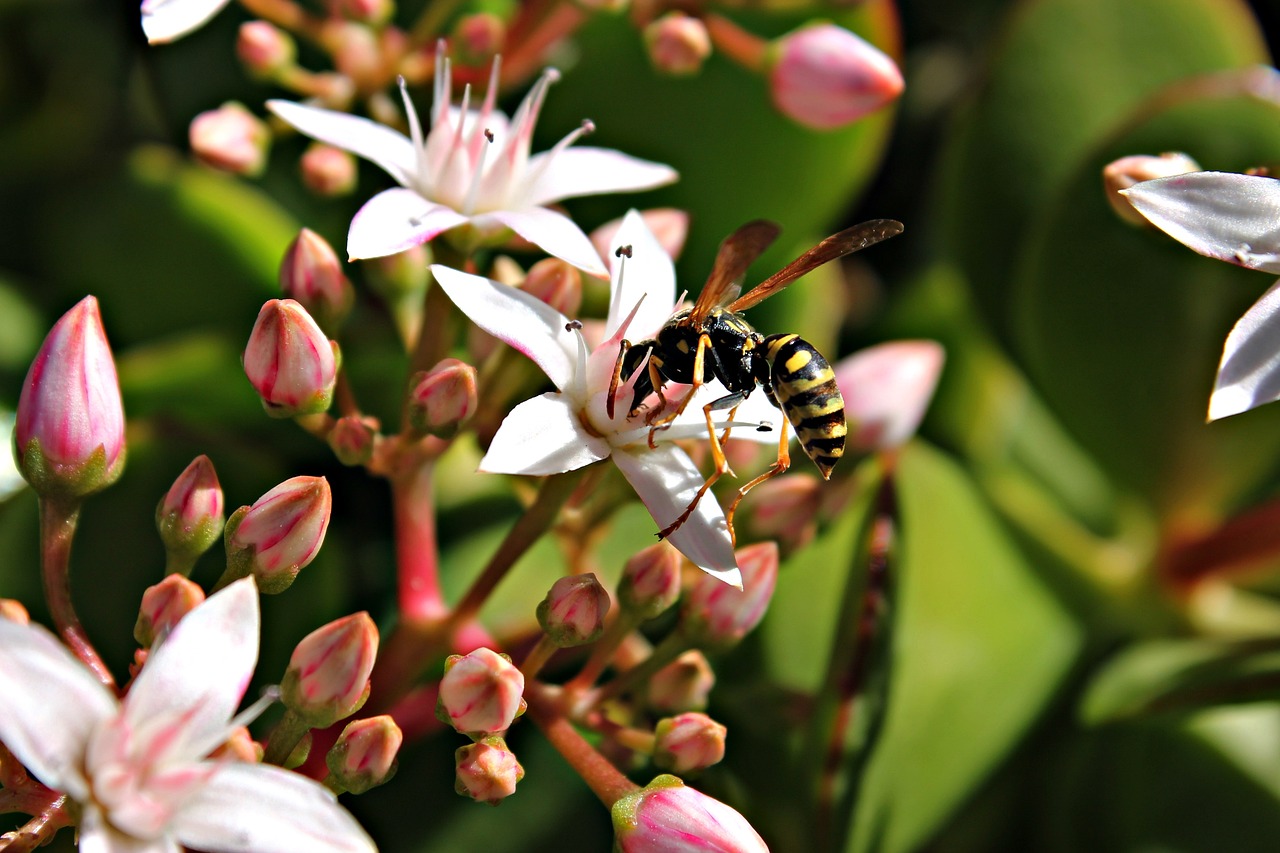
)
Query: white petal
[
  {"x": 258, "y": 808},
  {"x": 1234, "y": 218},
  {"x": 395, "y": 220},
  {"x": 166, "y": 20},
  {"x": 509, "y": 314},
  {"x": 755, "y": 410},
  {"x": 1249, "y": 374},
  {"x": 542, "y": 436},
  {"x": 375, "y": 142},
  {"x": 666, "y": 480},
  {"x": 648, "y": 272},
  {"x": 591, "y": 171},
  {"x": 200, "y": 672},
  {"x": 50, "y": 703},
  {"x": 95, "y": 835},
  {"x": 555, "y": 234}
]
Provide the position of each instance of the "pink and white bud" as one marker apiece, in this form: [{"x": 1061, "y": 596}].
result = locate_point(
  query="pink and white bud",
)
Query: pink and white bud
[
  {"x": 281, "y": 533},
  {"x": 265, "y": 49},
  {"x": 327, "y": 171},
  {"x": 823, "y": 76},
  {"x": 328, "y": 675},
  {"x": 682, "y": 685},
  {"x": 312, "y": 276},
  {"x": 163, "y": 606},
  {"x": 443, "y": 398},
  {"x": 190, "y": 515},
  {"x": 1123, "y": 173},
  {"x": 478, "y": 38},
  {"x": 784, "y": 509},
  {"x": 290, "y": 362},
  {"x": 688, "y": 743},
  {"x": 557, "y": 283},
  {"x": 573, "y": 612},
  {"x": 650, "y": 581},
  {"x": 887, "y": 389},
  {"x": 480, "y": 693},
  {"x": 374, "y": 12},
  {"x": 13, "y": 610},
  {"x": 666, "y": 816},
  {"x": 240, "y": 746},
  {"x": 356, "y": 52},
  {"x": 231, "y": 139},
  {"x": 718, "y": 615},
  {"x": 678, "y": 44},
  {"x": 365, "y": 755},
  {"x": 353, "y": 439},
  {"x": 669, "y": 225},
  {"x": 487, "y": 771},
  {"x": 68, "y": 438}
]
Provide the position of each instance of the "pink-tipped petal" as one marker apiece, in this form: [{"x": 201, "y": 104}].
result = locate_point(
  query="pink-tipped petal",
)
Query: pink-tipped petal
[
  {"x": 166, "y": 20},
  {"x": 1249, "y": 373},
  {"x": 1234, "y": 218},
  {"x": 554, "y": 233},
  {"x": 648, "y": 272},
  {"x": 667, "y": 480},
  {"x": 395, "y": 220},
  {"x": 583, "y": 171},
  {"x": 887, "y": 389},
  {"x": 377, "y": 143},
  {"x": 542, "y": 436}
]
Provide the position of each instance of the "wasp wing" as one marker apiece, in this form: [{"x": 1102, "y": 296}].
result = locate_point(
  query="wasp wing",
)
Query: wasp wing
[
  {"x": 737, "y": 252},
  {"x": 838, "y": 245}
]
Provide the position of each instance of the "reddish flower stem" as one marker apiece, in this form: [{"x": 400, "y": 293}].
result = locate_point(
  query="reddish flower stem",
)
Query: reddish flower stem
[
  {"x": 605, "y": 780},
  {"x": 746, "y": 49},
  {"x": 57, "y": 530},
  {"x": 417, "y": 554},
  {"x": 49, "y": 814},
  {"x": 1236, "y": 545},
  {"x": 526, "y": 56},
  {"x": 286, "y": 15}
]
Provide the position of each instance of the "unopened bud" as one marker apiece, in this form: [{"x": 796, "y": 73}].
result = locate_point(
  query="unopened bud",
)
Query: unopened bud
[
  {"x": 688, "y": 743},
  {"x": 442, "y": 398},
  {"x": 573, "y": 612},
  {"x": 784, "y": 509},
  {"x": 887, "y": 388},
  {"x": 718, "y": 615},
  {"x": 327, "y": 171},
  {"x": 312, "y": 275},
  {"x": 290, "y": 362},
  {"x": 557, "y": 283},
  {"x": 12, "y": 610},
  {"x": 375, "y": 12},
  {"x": 487, "y": 771},
  {"x": 824, "y": 77},
  {"x": 232, "y": 139},
  {"x": 478, "y": 38},
  {"x": 650, "y": 581},
  {"x": 365, "y": 755},
  {"x": 265, "y": 49},
  {"x": 669, "y": 225},
  {"x": 666, "y": 815},
  {"x": 356, "y": 53},
  {"x": 68, "y": 437},
  {"x": 682, "y": 685},
  {"x": 280, "y": 534},
  {"x": 163, "y": 606},
  {"x": 353, "y": 438},
  {"x": 481, "y": 693},
  {"x": 328, "y": 675},
  {"x": 190, "y": 515},
  {"x": 678, "y": 44},
  {"x": 1123, "y": 173},
  {"x": 240, "y": 746}
]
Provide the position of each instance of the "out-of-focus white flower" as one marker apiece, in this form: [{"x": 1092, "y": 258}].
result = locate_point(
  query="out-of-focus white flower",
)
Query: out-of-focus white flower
[
  {"x": 886, "y": 390},
  {"x": 167, "y": 20}
]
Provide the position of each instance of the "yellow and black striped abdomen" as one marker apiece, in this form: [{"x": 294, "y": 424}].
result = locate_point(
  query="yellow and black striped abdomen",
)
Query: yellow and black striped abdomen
[{"x": 804, "y": 386}]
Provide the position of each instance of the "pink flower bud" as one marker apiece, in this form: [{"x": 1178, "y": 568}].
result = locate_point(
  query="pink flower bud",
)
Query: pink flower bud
[
  {"x": 678, "y": 44},
  {"x": 368, "y": 11},
  {"x": 688, "y": 742},
  {"x": 784, "y": 509},
  {"x": 573, "y": 612},
  {"x": 478, "y": 38},
  {"x": 886, "y": 390},
  {"x": 487, "y": 771},
  {"x": 443, "y": 398},
  {"x": 163, "y": 605},
  {"x": 824, "y": 76},
  {"x": 355, "y": 50},
  {"x": 353, "y": 438},
  {"x": 1123, "y": 173},
  {"x": 14, "y": 611},
  {"x": 682, "y": 685},
  {"x": 265, "y": 49},
  {"x": 281, "y": 533},
  {"x": 365, "y": 755},
  {"x": 240, "y": 746},
  {"x": 69, "y": 436},
  {"x": 719, "y": 615},
  {"x": 480, "y": 693},
  {"x": 557, "y": 283},
  {"x": 327, "y": 171},
  {"x": 311, "y": 274},
  {"x": 190, "y": 515},
  {"x": 669, "y": 225},
  {"x": 667, "y": 816},
  {"x": 650, "y": 581},
  {"x": 232, "y": 139},
  {"x": 290, "y": 362},
  {"x": 328, "y": 674}
]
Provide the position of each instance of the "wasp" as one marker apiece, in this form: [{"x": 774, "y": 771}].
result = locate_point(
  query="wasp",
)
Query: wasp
[{"x": 712, "y": 340}]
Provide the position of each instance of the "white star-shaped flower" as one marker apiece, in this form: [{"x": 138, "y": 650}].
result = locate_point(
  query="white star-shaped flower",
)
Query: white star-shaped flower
[
  {"x": 569, "y": 428},
  {"x": 474, "y": 168},
  {"x": 137, "y": 768}
]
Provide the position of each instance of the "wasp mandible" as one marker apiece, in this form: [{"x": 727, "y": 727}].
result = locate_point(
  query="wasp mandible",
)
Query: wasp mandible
[{"x": 712, "y": 340}]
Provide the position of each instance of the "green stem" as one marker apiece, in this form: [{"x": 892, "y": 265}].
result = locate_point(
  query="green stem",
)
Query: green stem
[
  {"x": 285, "y": 738},
  {"x": 430, "y": 24},
  {"x": 602, "y": 651},
  {"x": 672, "y": 646},
  {"x": 605, "y": 780},
  {"x": 57, "y": 530},
  {"x": 538, "y": 657}
]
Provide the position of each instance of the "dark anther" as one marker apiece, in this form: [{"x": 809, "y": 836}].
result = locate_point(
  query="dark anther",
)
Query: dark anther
[
  {"x": 573, "y": 326},
  {"x": 623, "y": 250},
  {"x": 488, "y": 134}
]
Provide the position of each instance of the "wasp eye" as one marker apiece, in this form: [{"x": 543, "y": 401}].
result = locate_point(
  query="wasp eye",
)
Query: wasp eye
[
  {"x": 573, "y": 326},
  {"x": 623, "y": 251}
]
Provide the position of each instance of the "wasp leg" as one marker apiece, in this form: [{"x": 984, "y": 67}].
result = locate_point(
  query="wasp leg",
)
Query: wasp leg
[
  {"x": 783, "y": 463},
  {"x": 699, "y": 365},
  {"x": 730, "y": 402}
]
